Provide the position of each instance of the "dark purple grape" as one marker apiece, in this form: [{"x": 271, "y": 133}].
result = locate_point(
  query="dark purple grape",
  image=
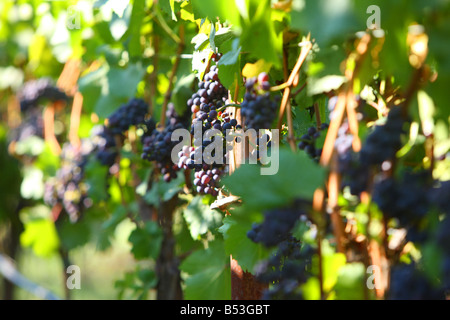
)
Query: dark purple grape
[
  {"x": 36, "y": 91},
  {"x": 258, "y": 108},
  {"x": 308, "y": 142},
  {"x": 134, "y": 112}
]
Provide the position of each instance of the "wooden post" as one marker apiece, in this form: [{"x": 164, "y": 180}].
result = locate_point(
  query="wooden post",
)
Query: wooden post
[{"x": 244, "y": 285}]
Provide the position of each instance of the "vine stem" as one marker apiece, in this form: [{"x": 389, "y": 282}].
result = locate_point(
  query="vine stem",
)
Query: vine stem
[
  {"x": 306, "y": 48},
  {"x": 244, "y": 285},
  {"x": 64, "y": 255},
  {"x": 75, "y": 117},
  {"x": 159, "y": 18},
  {"x": 49, "y": 128},
  {"x": 235, "y": 105},
  {"x": 413, "y": 87},
  {"x": 333, "y": 197},
  {"x": 353, "y": 120},
  {"x": 67, "y": 82},
  {"x": 335, "y": 123},
  {"x": 320, "y": 275},
  {"x": 372, "y": 250},
  {"x": 173, "y": 72},
  {"x": 299, "y": 90},
  {"x": 280, "y": 87},
  {"x": 329, "y": 157},
  {"x": 318, "y": 207},
  {"x": 341, "y": 105},
  {"x": 291, "y": 137}
]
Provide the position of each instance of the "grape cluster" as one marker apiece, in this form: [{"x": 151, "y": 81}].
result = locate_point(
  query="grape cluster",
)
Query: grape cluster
[
  {"x": 32, "y": 125},
  {"x": 173, "y": 117},
  {"x": 443, "y": 235},
  {"x": 409, "y": 283},
  {"x": 383, "y": 143},
  {"x": 277, "y": 225},
  {"x": 446, "y": 272},
  {"x": 206, "y": 181},
  {"x": 158, "y": 147},
  {"x": 184, "y": 156},
  {"x": 354, "y": 175},
  {"x": 132, "y": 113},
  {"x": 261, "y": 141},
  {"x": 208, "y": 165},
  {"x": 403, "y": 199},
  {"x": 344, "y": 139},
  {"x": 158, "y": 144},
  {"x": 210, "y": 93},
  {"x": 206, "y": 105},
  {"x": 409, "y": 198},
  {"x": 36, "y": 91},
  {"x": 439, "y": 197},
  {"x": 308, "y": 141},
  {"x": 32, "y": 94},
  {"x": 67, "y": 188},
  {"x": 216, "y": 56},
  {"x": 286, "y": 270},
  {"x": 104, "y": 145},
  {"x": 258, "y": 108}
]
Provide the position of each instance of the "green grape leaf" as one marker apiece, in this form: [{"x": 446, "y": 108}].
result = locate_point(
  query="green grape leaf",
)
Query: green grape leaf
[
  {"x": 146, "y": 241},
  {"x": 164, "y": 191},
  {"x": 105, "y": 89},
  {"x": 172, "y": 9},
  {"x": 97, "y": 179},
  {"x": 211, "y": 280},
  {"x": 238, "y": 245},
  {"x": 182, "y": 92},
  {"x": 200, "y": 218},
  {"x": 186, "y": 12},
  {"x": 74, "y": 235},
  {"x": 222, "y": 36},
  {"x": 231, "y": 57},
  {"x": 297, "y": 176},
  {"x": 331, "y": 265},
  {"x": 350, "y": 282},
  {"x": 10, "y": 182},
  {"x": 259, "y": 36},
  {"x": 224, "y": 10},
  {"x": 325, "y": 84},
  {"x": 39, "y": 231},
  {"x": 47, "y": 161},
  {"x": 134, "y": 28},
  {"x": 325, "y": 19}
]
